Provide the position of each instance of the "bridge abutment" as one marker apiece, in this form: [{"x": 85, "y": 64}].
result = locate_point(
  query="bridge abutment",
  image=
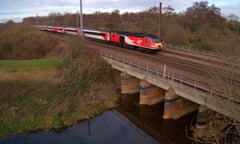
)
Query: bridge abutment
[
  {"x": 150, "y": 94},
  {"x": 175, "y": 106},
  {"x": 129, "y": 84}
]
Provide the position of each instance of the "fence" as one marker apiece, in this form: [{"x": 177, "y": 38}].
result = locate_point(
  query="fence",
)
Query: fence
[{"x": 199, "y": 51}]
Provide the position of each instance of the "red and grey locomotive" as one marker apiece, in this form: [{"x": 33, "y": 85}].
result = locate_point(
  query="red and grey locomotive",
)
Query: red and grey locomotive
[{"x": 144, "y": 42}]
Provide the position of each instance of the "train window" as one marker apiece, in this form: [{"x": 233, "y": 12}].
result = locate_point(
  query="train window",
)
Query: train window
[
  {"x": 95, "y": 33},
  {"x": 156, "y": 40},
  {"x": 71, "y": 30}
]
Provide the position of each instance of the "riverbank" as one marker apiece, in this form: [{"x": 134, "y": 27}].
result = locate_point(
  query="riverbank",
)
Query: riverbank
[
  {"x": 108, "y": 128},
  {"x": 37, "y": 95}
]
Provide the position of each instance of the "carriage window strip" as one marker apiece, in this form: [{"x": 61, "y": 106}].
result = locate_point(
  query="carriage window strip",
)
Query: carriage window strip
[
  {"x": 70, "y": 30},
  {"x": 94, "y": 33}
]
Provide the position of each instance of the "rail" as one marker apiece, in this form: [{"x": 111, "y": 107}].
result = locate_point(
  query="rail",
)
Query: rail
[{"x": 199, "y": 51}]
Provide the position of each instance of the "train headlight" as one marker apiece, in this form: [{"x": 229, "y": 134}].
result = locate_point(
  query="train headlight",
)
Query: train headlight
[{"x": 159, "y": 45}]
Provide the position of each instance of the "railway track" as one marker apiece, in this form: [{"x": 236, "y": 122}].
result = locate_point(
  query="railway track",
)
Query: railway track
[
  {"x": 156, "y": 59},
  {"x": 194, "y": 67},
  {"x": 200, "y": 58},
  {"x": 194, "y": 58},
  {"x": 214, "y": 64}
]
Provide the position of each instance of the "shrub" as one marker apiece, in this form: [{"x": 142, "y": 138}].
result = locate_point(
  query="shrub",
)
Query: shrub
[
  {"x": 79, "y": 73},
  {"x": 20, "y": 41}
]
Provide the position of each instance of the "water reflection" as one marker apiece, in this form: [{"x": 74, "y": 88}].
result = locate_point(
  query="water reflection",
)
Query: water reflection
[
  {"x": 110, "y": 127},
  {"x": 149, "y": 118}
]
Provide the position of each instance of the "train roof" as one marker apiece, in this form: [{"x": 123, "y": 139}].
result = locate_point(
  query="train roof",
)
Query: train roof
[
  {"x": 136, "y": 34},
  {"x": 125, "y": 33},
  {"x": 96, "y": 30},
  {"x": 71, "y": 28}
]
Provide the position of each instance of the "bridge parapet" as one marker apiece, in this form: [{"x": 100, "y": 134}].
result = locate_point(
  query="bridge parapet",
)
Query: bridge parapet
[{"x": 191, "y": 90}]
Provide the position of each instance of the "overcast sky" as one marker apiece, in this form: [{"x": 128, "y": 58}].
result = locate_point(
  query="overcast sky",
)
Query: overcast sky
[{"x": 17, "y": 9}]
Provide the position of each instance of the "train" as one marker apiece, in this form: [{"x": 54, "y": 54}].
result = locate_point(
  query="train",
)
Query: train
[{"x": 137, "y": 41}]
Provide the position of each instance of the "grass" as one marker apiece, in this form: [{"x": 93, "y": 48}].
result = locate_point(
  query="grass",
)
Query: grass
[
  {"x": 23, "y": 102},
  {"x": 33, "y": 98},
  {"x": 7, "y": 66},
  {"x": 51, "y": 93},
  {"x": 27, "y": 90}
]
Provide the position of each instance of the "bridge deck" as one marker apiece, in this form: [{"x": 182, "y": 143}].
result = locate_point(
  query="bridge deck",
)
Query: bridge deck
[{"x": 191, "y": 90}]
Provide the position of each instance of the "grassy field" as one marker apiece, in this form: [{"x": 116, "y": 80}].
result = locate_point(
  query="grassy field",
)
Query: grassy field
[
  {"x": 33, "y": 97},
  {"x": 26, "y": 65},
  {"x": 37, "y": 70}
]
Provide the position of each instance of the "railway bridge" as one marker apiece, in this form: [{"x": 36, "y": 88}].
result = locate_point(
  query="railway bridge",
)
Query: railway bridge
[{"x": 180, "y": 95}]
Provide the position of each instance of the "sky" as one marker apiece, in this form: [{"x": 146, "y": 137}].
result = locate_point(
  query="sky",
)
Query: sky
[{"x": 16, "y": 10}]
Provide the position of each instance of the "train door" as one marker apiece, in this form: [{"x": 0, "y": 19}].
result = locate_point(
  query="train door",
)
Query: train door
[
  {"x": 114, "y": 38},
  {"x": 121, "y": 40},
  {"x": 55, "y": 29},
  {"x": 147, "y": 42}
]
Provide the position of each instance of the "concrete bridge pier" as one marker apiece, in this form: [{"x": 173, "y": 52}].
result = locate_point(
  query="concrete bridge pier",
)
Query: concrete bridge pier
[
  {"x": 150, "y": 94},
  {"x": 204, "y": 125},
  {"x": 129, "y": 84},
  {"x": 175, "y": 106}
]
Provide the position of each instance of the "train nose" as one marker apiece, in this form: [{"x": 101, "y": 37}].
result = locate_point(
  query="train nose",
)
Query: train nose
[{"x": 159, "y": 45}]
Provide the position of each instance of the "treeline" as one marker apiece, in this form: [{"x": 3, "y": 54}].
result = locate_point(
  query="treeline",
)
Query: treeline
[
  {"x": 19, "y": 41},
  {"x": 199, "y": 26}
]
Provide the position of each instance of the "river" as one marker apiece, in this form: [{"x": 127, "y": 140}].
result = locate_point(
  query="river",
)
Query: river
[
  {"x": 129, "y": 124},
  {"x": 149, "y": 118}
]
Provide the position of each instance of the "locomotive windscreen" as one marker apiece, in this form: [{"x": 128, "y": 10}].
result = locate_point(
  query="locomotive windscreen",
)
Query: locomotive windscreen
[{"x": 156, "y": 40}]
